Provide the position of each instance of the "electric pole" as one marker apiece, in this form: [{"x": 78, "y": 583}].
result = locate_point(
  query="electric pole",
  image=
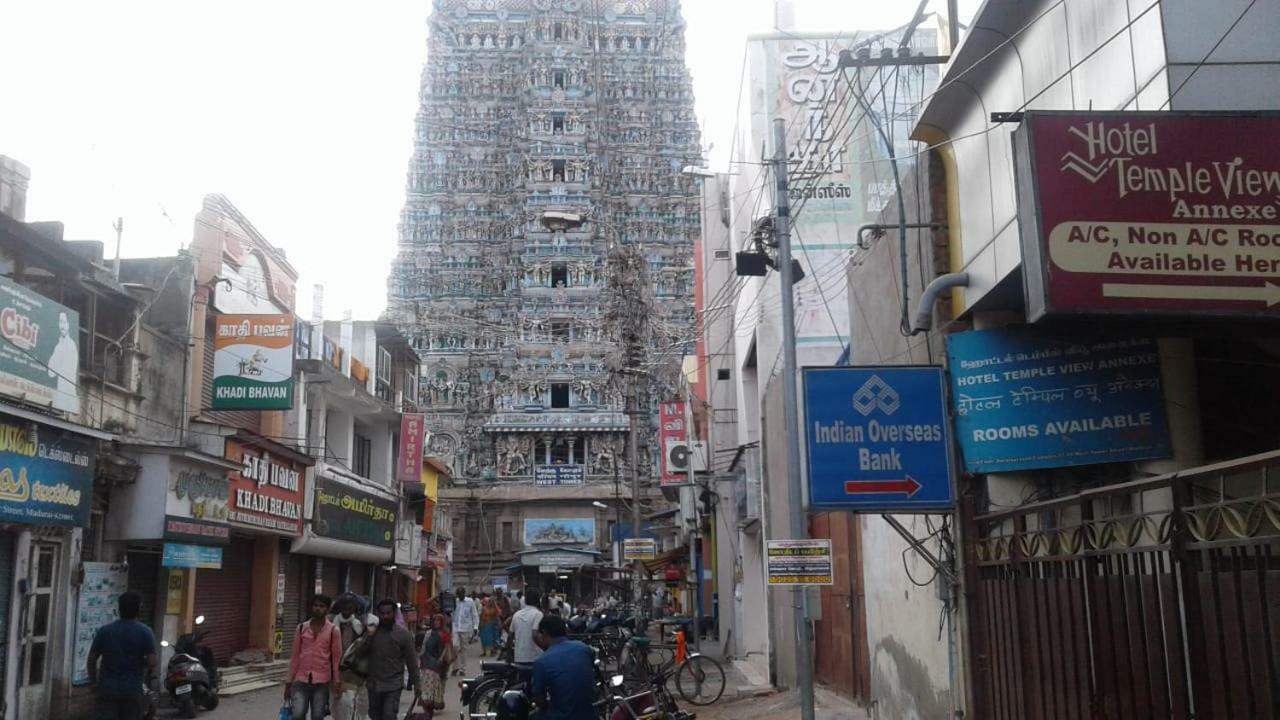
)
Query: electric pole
[{"x": 795, "y": 497}]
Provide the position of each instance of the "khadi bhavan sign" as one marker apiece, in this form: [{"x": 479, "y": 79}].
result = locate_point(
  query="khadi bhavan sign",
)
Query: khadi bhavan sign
[{"x": 1149, "y": 213}]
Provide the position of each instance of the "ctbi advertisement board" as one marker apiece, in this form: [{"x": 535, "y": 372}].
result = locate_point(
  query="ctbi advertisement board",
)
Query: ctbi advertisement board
[
  {"x": 253, "y": 362},
  {"x": 1149, "y": 213}
]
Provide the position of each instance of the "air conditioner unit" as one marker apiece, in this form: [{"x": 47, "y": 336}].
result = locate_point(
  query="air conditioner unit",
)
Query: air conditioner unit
[{"x": 682, "y": 453}]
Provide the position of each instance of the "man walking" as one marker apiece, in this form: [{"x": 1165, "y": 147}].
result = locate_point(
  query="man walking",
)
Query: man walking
[
  {"x": 313, "y": 667},
  {"x": 564, "y": 684},
  {"x": 127, "y": 649},
  {"x": 523, "y": 624},
  {"x": 390, "y": 653},
  {"x": 466, "y": 623},
  {"x": 350, "y": 629}
]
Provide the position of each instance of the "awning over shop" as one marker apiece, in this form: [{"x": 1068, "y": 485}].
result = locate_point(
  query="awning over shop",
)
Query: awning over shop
[{"x": 669, "y": 557}]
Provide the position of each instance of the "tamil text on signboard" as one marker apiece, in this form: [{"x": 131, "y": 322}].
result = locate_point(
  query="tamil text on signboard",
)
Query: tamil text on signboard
[
  {"x": 639, "y": 549},
  {"x": 1026, "y": 399},
  {"x": 799, "y": 562},
  {"x": 267, "y": 493},
  {"x": 559, "y": 474},
  {"x": 345, "y": 513},
  {"x": 179, "y": 555},
  {"x": 39, "y": 358},
  {"x": 1170, "y": 213},
  {"x": 253, "y": 362},
  {"x": 412, "y": 433},
  {"x": 46, "y": 474},
  {"x": 672, "y": 436},
  {"x": 877, "y": 438}
]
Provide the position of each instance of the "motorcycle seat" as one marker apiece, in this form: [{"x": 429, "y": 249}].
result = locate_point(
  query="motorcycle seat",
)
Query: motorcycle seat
[{"x": 497, "y": 668}]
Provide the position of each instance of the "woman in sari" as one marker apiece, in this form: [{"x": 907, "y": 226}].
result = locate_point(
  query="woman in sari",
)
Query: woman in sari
[
  {"x": 490, "y": 627},
  {"x": 435, "y": 664}
]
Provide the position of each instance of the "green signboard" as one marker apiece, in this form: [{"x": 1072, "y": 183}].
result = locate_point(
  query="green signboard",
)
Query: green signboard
[
  {"x": 39, "y": 354},
  {"x": 345, "y": 513}
]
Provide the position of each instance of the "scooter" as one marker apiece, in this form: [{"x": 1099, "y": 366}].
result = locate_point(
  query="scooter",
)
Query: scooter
[{"x": 192, "y": 678}]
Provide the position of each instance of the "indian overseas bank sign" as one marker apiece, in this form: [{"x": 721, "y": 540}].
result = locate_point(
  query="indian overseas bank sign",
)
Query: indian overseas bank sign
[
  {"x": 877, "y": 439},
  {"x": 1025, "y": 400}
]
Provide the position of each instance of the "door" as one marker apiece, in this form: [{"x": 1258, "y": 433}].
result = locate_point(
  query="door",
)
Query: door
[{"x": 39, "y": 623}]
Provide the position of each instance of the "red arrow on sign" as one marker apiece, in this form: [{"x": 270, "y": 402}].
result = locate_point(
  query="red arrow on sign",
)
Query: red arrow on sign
[{"x": 909, "y": 486}]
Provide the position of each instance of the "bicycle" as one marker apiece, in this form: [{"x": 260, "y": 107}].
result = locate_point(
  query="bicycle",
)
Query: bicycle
[{"x": 700, "y": 679}]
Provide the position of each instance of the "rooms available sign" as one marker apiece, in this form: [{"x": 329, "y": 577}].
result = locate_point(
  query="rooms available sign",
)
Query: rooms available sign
[{"x": 1169, "y": 213}]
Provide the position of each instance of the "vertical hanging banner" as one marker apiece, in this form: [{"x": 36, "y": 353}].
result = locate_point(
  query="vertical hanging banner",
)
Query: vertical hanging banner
[
  {"x": 412, "y": 434},
  {"x": 673, "y": 438},
  {"x": 253, "y": 362}
]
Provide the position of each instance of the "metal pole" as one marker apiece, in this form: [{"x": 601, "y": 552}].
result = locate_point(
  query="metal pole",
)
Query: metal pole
[
  {"x": 634, "y": 442},
  {"x": 694, "y": 544},
  {"x": 782, "y": 234}
]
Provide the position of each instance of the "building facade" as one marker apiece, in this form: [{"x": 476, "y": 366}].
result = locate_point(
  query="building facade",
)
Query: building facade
[{"x": 530, "y": 107}]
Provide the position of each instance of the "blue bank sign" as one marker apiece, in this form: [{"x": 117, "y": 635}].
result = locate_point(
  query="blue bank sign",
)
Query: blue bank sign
[
  {"x": 877, "y": 439},
  {"x": 179, "y": 555},
  {"x": 1025, "y": 400}
]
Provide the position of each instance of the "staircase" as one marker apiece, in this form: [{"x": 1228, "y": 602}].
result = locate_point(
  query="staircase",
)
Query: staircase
[{"x": 239, "y": 679}]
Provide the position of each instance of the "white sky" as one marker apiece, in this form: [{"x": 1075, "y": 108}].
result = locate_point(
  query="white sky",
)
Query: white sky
[{"x": 299, "y": 111}]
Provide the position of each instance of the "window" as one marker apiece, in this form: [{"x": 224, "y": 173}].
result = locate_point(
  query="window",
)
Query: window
[
  {"x": 557, "y": 170},
  {"x": 559, "y": 275},
  {"x": 557, "y": 79},
  {"x": 723, "y": 374},
  {"x": 557, "y": 31},
  {"x": 613, "y": 527},
  {"x": 508, "y": 535},
  {"x": 560, "y": 396},
  {"x": 362, "y": 458},
  {"x": 560, "y": 331},
  {"x": 561, "y": 454},
  {"x": 557, "y": 123}
]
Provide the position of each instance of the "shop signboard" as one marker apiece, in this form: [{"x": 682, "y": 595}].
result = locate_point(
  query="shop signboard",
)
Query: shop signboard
[
  {"x": 1026, "y": 400},
  {"x": 672, "y": 434},
  {"x": 181, "y": 555},
  {"x": 799, "y": 562},
  {"x": 267, "y": 492},
  {"x": 100, "y": 591},
  {"x": 197, "y": 506},
  {"x": 253, "y": 362},
  {"x": 877, "y": 439},
  {"x": 413, "y": 431},
  {"x": 46, "y": 474},
  {"x": 559, "y": 475},
  {"x": 1168, "y": 213},
  {"x": 556, "y": 558},
  {"x": 639, "y": 549},
  {"x": 559, "y": 531},
  {"x": 39, "y": 358},
  {"x": 345, "y": 513}
]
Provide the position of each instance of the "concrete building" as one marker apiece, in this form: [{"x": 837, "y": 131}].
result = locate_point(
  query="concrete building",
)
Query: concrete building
[{"x": 529, "y": 108}]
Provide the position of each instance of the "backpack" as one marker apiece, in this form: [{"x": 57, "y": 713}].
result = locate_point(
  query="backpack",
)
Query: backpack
[{"x": 353, "y": 664}]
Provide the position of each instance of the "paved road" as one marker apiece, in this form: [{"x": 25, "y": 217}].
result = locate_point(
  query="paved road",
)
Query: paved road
[{"x": 265, "y": 705}]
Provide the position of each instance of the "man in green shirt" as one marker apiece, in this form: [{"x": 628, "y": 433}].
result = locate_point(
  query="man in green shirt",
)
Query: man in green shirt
[{"x": 390, "y": 653}]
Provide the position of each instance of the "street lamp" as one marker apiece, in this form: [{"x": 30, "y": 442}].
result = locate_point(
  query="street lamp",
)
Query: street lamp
[{"x": 597, "y": 503}]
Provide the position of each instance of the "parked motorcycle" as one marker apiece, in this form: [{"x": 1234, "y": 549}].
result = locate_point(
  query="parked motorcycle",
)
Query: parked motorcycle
[{"x": 192, "y": 675}]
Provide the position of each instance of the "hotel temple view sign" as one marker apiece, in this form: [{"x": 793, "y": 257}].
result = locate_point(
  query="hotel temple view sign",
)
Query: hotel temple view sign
[{"x": 1149, "y": 213}]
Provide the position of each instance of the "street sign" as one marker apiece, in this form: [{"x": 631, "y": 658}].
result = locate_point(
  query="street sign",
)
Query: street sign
[
  {"x": 639, "y": 549},
  {"x": 1149, "y": 213},
  {"x": 799, "y": 562},
  {"x": 877, "y": 439}
]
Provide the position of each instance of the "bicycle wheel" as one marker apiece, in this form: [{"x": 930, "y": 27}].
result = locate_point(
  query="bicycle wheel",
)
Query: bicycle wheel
[{"x": 700, "y": 680}]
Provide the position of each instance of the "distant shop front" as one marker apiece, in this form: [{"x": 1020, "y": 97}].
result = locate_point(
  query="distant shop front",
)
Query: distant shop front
[{"x": 350, "y": 536}]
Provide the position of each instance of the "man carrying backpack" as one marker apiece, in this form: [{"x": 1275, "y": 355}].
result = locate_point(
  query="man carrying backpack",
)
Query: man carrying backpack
[{"x": 313, "y": 667}]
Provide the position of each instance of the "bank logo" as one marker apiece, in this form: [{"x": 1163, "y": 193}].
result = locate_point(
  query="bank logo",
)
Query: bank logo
[{"x": 876, "y": 393}]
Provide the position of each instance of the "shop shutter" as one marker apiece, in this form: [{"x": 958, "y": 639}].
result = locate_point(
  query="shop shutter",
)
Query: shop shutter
[
  {"x": 295, "y": 588},
  {"x": 360, "y": 579},
  {"x": 6, "y": 587},
  {"x": 332, "y": 578},
  {"x": 144, "y": 579},
  {"x": 221, "y": 597}
]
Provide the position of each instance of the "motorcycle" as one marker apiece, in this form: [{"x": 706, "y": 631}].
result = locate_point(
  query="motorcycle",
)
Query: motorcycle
[{"x": 192, "y": 676}]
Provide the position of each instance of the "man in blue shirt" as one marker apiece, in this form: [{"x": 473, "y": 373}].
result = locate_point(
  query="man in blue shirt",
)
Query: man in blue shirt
[
  {"x": 564, "y": 684},
  {"x": 127, "y": 650}
]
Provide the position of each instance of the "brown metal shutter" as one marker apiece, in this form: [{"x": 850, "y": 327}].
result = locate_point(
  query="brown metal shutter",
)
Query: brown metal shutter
[
  {"x": 359, "y": 575},
  {"x": 295, "y": 587},
  {"x": 6, "y": 585},
  {"x": 221, "y": 596},
  {"x": 332, "y": 579},
  {"x": 144, "y": 579}
]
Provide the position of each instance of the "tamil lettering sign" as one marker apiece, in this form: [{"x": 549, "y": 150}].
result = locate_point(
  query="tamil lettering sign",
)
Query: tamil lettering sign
[
  {"x": 672, "y": 436},
  {"x": 345, "y": 513},
  {"x": 877, "y": 438},
  {"x": 1026, "y": 400},
  {"x": 179, "y": 555},
  {"x": 46, "y": 474},
  {"x": 639, "y": 549},
  {"x": 253, "y": 362},
  {"x": 39, "y": 356},
  {"x": 267, "y": 493},
  {"x": 413, "y": 431},
  {"x": 559, "y": 475},
  {"x": 197, "y": 505},
  {"x": 1166, "y": 213},
  {"x": 799, "y": 562}
]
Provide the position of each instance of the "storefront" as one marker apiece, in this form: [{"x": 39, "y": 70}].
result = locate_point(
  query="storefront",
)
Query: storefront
[
  {"x": 350, "y": 534},
  {"x": 265, "y": 504},
  {"x": 46, "y": 487}
]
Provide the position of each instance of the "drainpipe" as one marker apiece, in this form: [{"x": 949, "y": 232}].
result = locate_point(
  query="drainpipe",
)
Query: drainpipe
[{"x": 923, "y": 321}]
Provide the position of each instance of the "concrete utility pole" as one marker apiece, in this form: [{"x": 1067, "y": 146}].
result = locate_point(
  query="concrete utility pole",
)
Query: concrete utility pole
[{"x": 795, "y": 497}]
